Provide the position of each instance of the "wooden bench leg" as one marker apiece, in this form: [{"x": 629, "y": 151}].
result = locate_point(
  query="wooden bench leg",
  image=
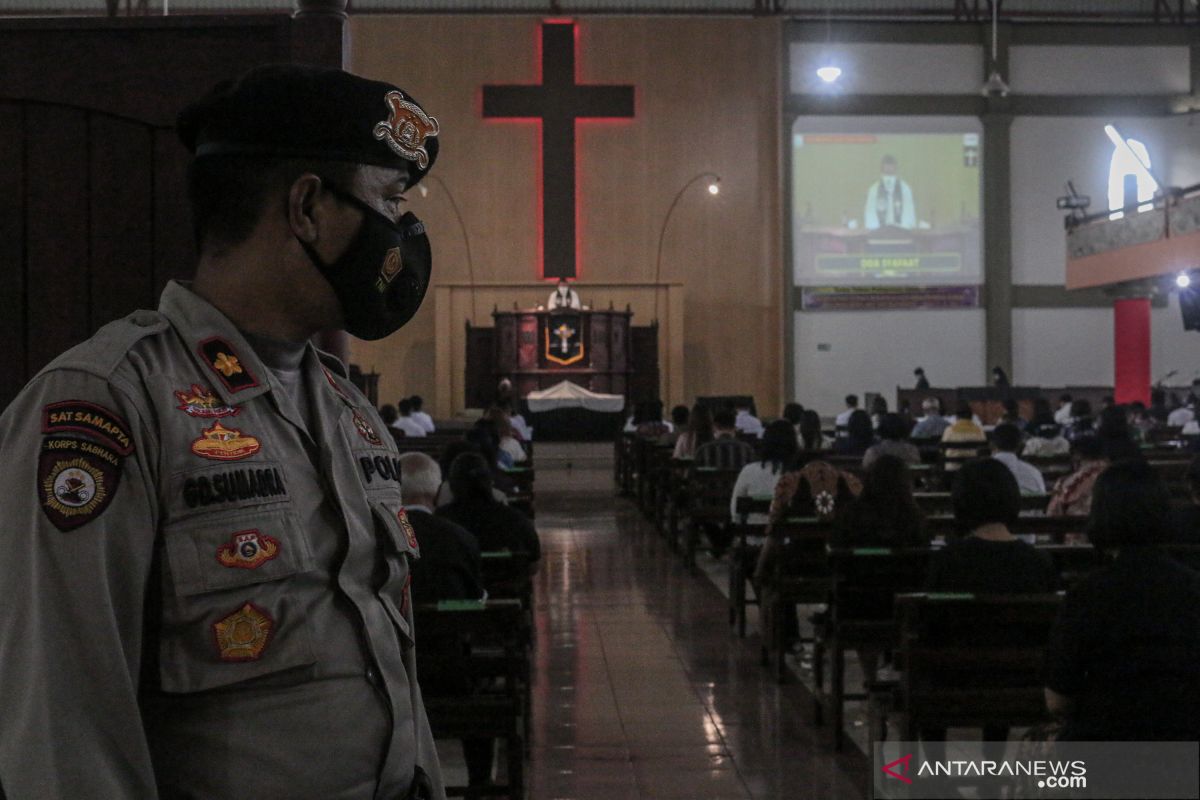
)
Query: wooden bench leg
[
  {"x": 818, "y": 679},
  {"x": 837, "y": 690},
  {"x": 779, "y": 635}
]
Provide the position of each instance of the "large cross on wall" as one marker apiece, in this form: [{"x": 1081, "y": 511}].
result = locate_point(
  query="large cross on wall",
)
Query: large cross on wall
[{"x": 555, "y": 103}]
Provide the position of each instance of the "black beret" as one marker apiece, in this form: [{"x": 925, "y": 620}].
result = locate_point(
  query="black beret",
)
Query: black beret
[{"x": 298, "y": 111}]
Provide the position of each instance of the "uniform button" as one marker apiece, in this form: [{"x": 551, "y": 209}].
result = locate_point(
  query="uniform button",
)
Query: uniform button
[{"x": 371, "y": 676}]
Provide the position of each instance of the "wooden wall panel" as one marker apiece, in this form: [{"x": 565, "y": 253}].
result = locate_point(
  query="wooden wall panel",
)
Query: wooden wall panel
[
  {"x": 708, "y": 99},
  {"x": 12, "y": 251},
  {"x": 57, "y": 231},
  {"x": 121, "y": 197}
]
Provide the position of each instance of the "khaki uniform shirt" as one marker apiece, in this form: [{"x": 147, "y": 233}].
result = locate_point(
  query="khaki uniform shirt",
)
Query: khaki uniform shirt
[{"x": 200, "y": 595}]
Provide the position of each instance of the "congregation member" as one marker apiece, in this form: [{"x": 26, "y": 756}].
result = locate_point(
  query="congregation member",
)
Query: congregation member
[
  {"x": 1115, "y": 435},
  {"x": 879, "y": 407},
  {"x": 843, "y": 419},
  {"x": 1186, "y": 517},
  {"x": 1046, "y": 439},
  {"x": 405, "y": 422},
  {"x": 933, "y": 424},
  {"x": 418, "y": 413},
  {"x": 812, "y": 439},
  {"x": 1072, "y": 495},
  {"x": 699, "y": 432},
  {"x": 679, "y": 419},
  {"x": 884, "y": 514},
  {"x": 759, "y": 477},
  {"x": 726, "y": 450},
  {"x": 494, "y": 525},
  {"x": 965, "y": 430},
  {"x": 1183, "y": 415},
  {"x": 1121, "y": 664},
  {"x": 794, "y": 413},
  {"x": 388, "y": 413},
  {"x": 508, "y": 437},
  {"x": 1158, "y": 410},
  {"x": 652, "y": 425},
  {"x": 988, "y": 558},
  {"x": 892, "y": 442},
  {"x": 922, "y": 381},
  {"x": 520, "y": 428},
  {"x": 746, "y": 422},
  {"x": 859, "y": 435},
  {"x": 1012, "y": 415},
  {"x": 445, "y": 495},
  {"x": 1081, "y": 423},
  {"x": 449, "y": 567},
  {"x": 1006, "y": 443},
  {"x": 1063, "y": 415}
]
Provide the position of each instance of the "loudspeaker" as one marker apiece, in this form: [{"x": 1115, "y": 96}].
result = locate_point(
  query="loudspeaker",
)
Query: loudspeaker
[{"x": 1189, "y": 307}]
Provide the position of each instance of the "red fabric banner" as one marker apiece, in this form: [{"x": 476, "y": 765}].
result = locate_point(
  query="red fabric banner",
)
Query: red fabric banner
[{"x": 1131, "y": 350}]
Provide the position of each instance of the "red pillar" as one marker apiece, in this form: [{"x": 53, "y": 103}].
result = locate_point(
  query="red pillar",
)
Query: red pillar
[{"x": 1131, "y": 348}]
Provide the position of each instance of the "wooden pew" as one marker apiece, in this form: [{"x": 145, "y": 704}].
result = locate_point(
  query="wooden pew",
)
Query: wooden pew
[
  {"x": 497, "y": 713},
  {"x": 708, "y": 494},
  {"x": 799, "y": 574},
  {"x": 865, "y": 580},
  {"x": 970, "y": 660},
  {"x": 743, "y": 555}
]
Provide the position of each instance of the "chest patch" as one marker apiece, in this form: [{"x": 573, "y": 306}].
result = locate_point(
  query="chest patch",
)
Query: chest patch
[
  {"x": 225, "y": 444},
  {"x": 203, "y": 403},
  {"x": 247, "y": 550}
]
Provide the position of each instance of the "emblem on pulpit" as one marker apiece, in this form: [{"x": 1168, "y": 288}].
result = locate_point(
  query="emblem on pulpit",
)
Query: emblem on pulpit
[{"x": 564, "y": 340}]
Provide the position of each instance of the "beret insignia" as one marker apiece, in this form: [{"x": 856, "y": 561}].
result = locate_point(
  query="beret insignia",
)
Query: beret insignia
[{"x": 406, "y": 129}]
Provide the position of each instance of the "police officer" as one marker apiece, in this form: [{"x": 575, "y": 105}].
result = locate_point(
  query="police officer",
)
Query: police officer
[{"x": 204, "y": 559}]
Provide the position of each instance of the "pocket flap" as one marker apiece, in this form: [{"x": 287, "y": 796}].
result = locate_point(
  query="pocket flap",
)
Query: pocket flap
[
  {"x": 231, "y": 550},
  {"x": 392, "y": 516}
]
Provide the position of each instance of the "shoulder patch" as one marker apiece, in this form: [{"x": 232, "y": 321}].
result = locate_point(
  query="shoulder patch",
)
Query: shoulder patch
[
  {"x": 223, "y": 360},
  {"x": 84, "y": 417},
  {"x": 76, "y": 480}
]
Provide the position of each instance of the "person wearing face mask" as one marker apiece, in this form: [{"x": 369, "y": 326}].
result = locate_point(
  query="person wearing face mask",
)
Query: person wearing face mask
[
  {"x": 890, "y": 200},
  {"x": 563, "y": 297},
  {"x": 206, "y": 569}
]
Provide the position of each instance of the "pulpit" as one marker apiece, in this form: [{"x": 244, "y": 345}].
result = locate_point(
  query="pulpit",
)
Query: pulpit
[{"x": 537, "y": 349}]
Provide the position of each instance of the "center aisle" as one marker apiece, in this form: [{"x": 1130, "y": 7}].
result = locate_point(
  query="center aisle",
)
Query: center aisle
[{"x": 640, "y": 690}]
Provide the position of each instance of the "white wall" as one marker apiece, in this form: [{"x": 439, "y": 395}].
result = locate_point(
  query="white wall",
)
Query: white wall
[
  {"x": 1074, "y": 346},
  {"x": 1049, "y": 151},
  {"x": 887, "y": 68},
  {"x": 876, "y": 351},
  {"x": 1092, "y": 69}
]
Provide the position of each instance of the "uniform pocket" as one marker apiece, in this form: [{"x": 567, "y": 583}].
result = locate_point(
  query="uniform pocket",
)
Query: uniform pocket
[
  {"x": 230, "y": 602},
  {"x": 400, "y": 544}
]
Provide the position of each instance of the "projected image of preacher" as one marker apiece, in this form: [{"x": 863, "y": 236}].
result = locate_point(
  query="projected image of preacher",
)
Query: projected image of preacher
[{"x": 889, "y": 200}]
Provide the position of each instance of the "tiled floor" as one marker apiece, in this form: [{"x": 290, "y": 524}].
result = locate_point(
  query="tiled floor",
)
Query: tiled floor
[{"x": 640, "y": 689}]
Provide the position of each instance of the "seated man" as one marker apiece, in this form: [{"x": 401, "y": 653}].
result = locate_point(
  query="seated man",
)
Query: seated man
[
  {"x": 746, "y": 422},
  {"x": 964, "y": 429},
  {"x": 405, "y": 422},
  {"x": 449, "y": 566},
  {"x": 421, "y": 418},
  {"x": 843, "y": 419},
  {"x": 933, "y": 424},
  {"x": 448, "y": 569},
  {"x": 1006, "y": 443},
  {"x": 725, "y": 451}
]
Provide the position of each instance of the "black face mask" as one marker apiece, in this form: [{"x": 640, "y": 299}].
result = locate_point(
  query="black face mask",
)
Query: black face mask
[{"x": 381, "y": 278}]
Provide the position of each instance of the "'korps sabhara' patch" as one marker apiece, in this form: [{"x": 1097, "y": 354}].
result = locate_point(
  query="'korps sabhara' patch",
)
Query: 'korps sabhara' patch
[
  {"x": 225, "y": 363},
  {"x": 80, "y": 416},
  {"x": 76, "y": 480}
]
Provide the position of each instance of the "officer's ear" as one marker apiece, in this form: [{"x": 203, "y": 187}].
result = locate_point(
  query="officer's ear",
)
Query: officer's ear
[{"x": 309, "y": 208}]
